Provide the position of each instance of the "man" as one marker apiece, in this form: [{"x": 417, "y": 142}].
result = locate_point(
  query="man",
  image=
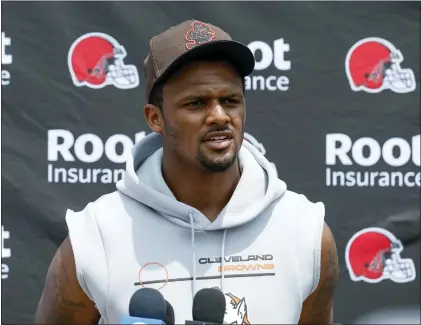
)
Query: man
[{"x": 197, "y": 207}]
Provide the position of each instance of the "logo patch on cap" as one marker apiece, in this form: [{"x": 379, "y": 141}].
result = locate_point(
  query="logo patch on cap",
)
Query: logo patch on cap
[{"x": 199, "y": 33}]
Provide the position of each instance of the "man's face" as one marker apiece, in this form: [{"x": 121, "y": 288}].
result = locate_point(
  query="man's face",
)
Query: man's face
[{"x": 203, "y": 115}]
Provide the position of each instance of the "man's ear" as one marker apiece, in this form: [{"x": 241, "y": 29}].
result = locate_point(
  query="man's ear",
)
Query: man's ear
[{"x": 153, "y": 116}]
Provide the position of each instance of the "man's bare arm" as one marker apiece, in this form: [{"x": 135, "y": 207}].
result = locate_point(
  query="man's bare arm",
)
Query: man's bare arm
[
  {"x": 318, "y": 307},
  {"x": 63, "y": 300}
]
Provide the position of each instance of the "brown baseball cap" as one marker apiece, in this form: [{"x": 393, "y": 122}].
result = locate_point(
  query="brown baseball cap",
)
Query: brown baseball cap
[{"x": 188, "y": 41}]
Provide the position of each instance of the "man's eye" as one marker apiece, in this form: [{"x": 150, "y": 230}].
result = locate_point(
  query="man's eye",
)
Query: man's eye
[
  {"x": 195, "y": 103},
  {"x": 229, "y": 101}
]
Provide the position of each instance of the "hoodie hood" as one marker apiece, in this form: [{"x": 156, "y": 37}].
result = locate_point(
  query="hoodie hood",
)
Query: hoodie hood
[{"x": 258, "y": 187}]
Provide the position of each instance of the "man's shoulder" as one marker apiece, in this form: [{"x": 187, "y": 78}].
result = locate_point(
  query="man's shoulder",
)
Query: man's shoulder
[
  {"x": 102, "y": 207},
  {"x": 108, "y": 199},
  {"x": 111, "y": 207},
  {"x": 299, "y": 209},
  {"x": 111, "y": 200},
  {"x": 292, "y": 198}
]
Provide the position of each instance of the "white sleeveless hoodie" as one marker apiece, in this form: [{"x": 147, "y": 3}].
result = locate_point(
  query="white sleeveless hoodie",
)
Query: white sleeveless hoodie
[{"x": 262, "y": 251}]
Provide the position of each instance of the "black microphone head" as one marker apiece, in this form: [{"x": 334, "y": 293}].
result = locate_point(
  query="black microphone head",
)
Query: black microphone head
[
  {"x": 148, "y": 303},
  {"x": 209, "y": 306},
  {"x": 170, "y": 317}
]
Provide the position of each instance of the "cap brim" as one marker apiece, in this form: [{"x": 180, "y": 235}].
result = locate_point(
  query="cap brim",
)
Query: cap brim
[{"x": 236, "y": 53}]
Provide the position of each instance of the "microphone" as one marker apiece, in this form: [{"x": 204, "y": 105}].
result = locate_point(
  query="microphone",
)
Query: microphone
[
  {"x": 169, "y": 317},
  {"x": 208, "y": 307},
  {"x": 147, "y": 306}
]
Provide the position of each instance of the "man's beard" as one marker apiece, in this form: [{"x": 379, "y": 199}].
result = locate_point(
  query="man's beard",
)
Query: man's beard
[{"x": 219, "y": 164}]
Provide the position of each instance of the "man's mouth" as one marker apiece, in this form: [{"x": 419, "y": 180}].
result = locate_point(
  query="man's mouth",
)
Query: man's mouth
[
  {"x": 218, "y": 140},
  {"x": 218, "y": 135}
]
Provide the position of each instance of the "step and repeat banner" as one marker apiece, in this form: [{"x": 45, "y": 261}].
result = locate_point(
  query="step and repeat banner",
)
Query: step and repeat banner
[{"x": 333, "y": 103}]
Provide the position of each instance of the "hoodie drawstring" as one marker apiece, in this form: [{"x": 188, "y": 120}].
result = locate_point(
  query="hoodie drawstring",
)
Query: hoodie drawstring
[
  {"x": 194, "y": 256},
  {"x": 194, "y": 252},
  {"x": 223, "y": 260}
]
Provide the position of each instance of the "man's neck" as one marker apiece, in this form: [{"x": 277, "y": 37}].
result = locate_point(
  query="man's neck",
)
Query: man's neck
[{"x": 208, "y": 192}]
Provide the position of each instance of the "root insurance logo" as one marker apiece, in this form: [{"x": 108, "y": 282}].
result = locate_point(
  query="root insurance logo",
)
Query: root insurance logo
[
  {"x": 6, "y": 253},
  {"x": 6, "y": 58},
  {"x": 266, "y": 57},
  {"x": 81, "y": 159},
  {"x": 365, "y": 162}
]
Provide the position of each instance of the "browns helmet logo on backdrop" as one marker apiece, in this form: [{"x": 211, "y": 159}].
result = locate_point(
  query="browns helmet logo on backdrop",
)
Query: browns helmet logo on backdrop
[
  {"x": 95, "y": 60},
  {"x": 373, "y": 255},
  {"x": 373, "y": 65}
]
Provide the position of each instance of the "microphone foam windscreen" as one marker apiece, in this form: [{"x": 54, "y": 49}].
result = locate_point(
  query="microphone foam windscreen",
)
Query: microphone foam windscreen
[
  {"x": 209, "y": 306},
  {"x": 170, "y": 317},
  {"x": 148, "y": 303}
]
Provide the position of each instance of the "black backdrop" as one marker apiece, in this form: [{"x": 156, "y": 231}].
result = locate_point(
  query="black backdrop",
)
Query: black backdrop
[{"x": 53, "y": 130}]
